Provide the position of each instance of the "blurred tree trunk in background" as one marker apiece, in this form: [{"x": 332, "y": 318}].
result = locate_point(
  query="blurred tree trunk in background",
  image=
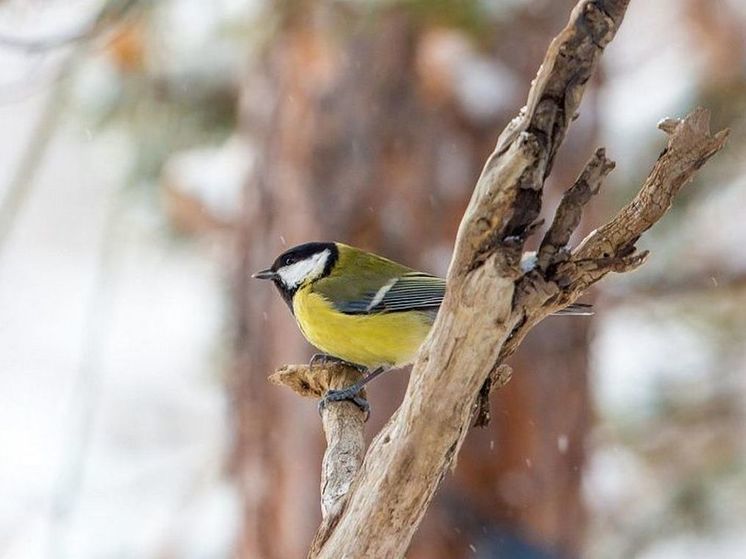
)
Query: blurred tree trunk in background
[{"x": 371, "y": 129}]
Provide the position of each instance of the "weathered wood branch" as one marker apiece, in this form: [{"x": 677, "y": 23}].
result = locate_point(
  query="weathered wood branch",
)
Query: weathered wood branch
[
  {"x": 491, "y": 303},
  {"x": 343, "y": 424},
  {"x": 690, "y": 145},
  {"x": 567, "y": 217},
  {"x": 611, "y": 247}
]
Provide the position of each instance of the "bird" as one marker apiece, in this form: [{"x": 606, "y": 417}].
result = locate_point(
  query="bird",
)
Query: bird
[{"x": 358, "y": 308}]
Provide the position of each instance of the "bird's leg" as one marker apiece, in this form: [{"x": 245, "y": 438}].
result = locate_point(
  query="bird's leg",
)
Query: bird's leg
[
  {"x": 325, "y": 359},
  {"x": 351, "y": 393},
  {"x": 359, "y": 401}
]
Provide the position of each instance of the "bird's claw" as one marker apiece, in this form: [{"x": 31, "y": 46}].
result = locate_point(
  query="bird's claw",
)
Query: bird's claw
[
  {"x": 321, "y": 359},
  {"x": 345, "y": 395},
  {"x": 325, "y": 359}
]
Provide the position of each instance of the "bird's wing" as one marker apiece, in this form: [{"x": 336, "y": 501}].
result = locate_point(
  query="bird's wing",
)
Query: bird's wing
[{"x": 410, "y": 291}]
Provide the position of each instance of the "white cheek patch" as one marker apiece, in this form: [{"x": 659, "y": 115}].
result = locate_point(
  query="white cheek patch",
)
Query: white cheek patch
[{"x": 310, "y": 268}]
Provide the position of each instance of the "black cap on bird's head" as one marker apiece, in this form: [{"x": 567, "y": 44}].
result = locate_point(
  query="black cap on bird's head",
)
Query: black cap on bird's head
[{"x": 299, "y": 265}]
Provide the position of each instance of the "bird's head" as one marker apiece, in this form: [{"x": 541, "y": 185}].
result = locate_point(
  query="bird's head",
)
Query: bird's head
[{"x": 300, "y": 266}]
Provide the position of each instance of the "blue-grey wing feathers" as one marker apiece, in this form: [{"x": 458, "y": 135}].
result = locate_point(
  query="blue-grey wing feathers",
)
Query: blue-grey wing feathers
[
  {"x": 412, "y": 291},
  {"x": 417, "y": 291}
]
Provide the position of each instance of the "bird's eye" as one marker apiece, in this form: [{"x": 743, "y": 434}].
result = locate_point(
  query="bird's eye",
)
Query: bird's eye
[{"x": 289, "y": 260}]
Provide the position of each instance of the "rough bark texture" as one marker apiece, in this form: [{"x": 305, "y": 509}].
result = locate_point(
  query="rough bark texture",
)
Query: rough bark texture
[
  {"x": 491, "y": 304},
  {"x": 413, "y": 452},
  {"x": 343, "y": 426}
]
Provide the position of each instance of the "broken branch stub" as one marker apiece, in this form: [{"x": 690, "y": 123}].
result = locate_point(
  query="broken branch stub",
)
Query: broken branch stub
[
  {"x": 690, "y": 145},
  {"x": 343, "y": 424},
  {"x": 610, "y": 248},
  {"x": 570, "y": 210}
]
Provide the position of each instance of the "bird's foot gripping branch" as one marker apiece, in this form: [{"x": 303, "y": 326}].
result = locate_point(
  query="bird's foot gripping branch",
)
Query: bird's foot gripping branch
[{"x": 373, "y": 505}]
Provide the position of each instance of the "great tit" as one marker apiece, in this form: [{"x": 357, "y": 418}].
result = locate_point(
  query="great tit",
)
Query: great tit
[{"x": 357, "y": 307}]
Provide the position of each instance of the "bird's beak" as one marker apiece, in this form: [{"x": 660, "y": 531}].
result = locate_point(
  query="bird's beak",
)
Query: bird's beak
[{"x": 265, "y": 274}]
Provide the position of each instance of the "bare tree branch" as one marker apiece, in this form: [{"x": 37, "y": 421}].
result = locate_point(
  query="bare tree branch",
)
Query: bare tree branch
[
  {"x": 490, "y": 302},
  {"x": 611, "y": 248},
  {"x": 690, "y": 145},
  {"x": 343, "y": 424},
  {"x": 109, "y": 14},
  {"x": 22, "y": 180},
  {"x": 567, "y": 216}
]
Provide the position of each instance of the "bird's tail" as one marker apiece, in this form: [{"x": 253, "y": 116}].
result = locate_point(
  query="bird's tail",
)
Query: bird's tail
[{"x": 576, "y": 309}]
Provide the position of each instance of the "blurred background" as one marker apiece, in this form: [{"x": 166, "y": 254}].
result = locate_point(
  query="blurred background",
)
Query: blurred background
[{"x": 154, "y": 154}]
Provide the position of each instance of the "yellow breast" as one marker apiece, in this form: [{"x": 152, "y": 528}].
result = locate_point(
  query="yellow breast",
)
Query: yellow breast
[{"x": 390, "y": 339}]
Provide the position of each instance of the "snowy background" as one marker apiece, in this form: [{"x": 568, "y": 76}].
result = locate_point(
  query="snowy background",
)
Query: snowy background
[{"x": 114, "y": 304}]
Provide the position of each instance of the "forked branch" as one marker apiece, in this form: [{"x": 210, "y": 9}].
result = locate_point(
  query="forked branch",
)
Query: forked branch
[{"x": 491, "y": 301}]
